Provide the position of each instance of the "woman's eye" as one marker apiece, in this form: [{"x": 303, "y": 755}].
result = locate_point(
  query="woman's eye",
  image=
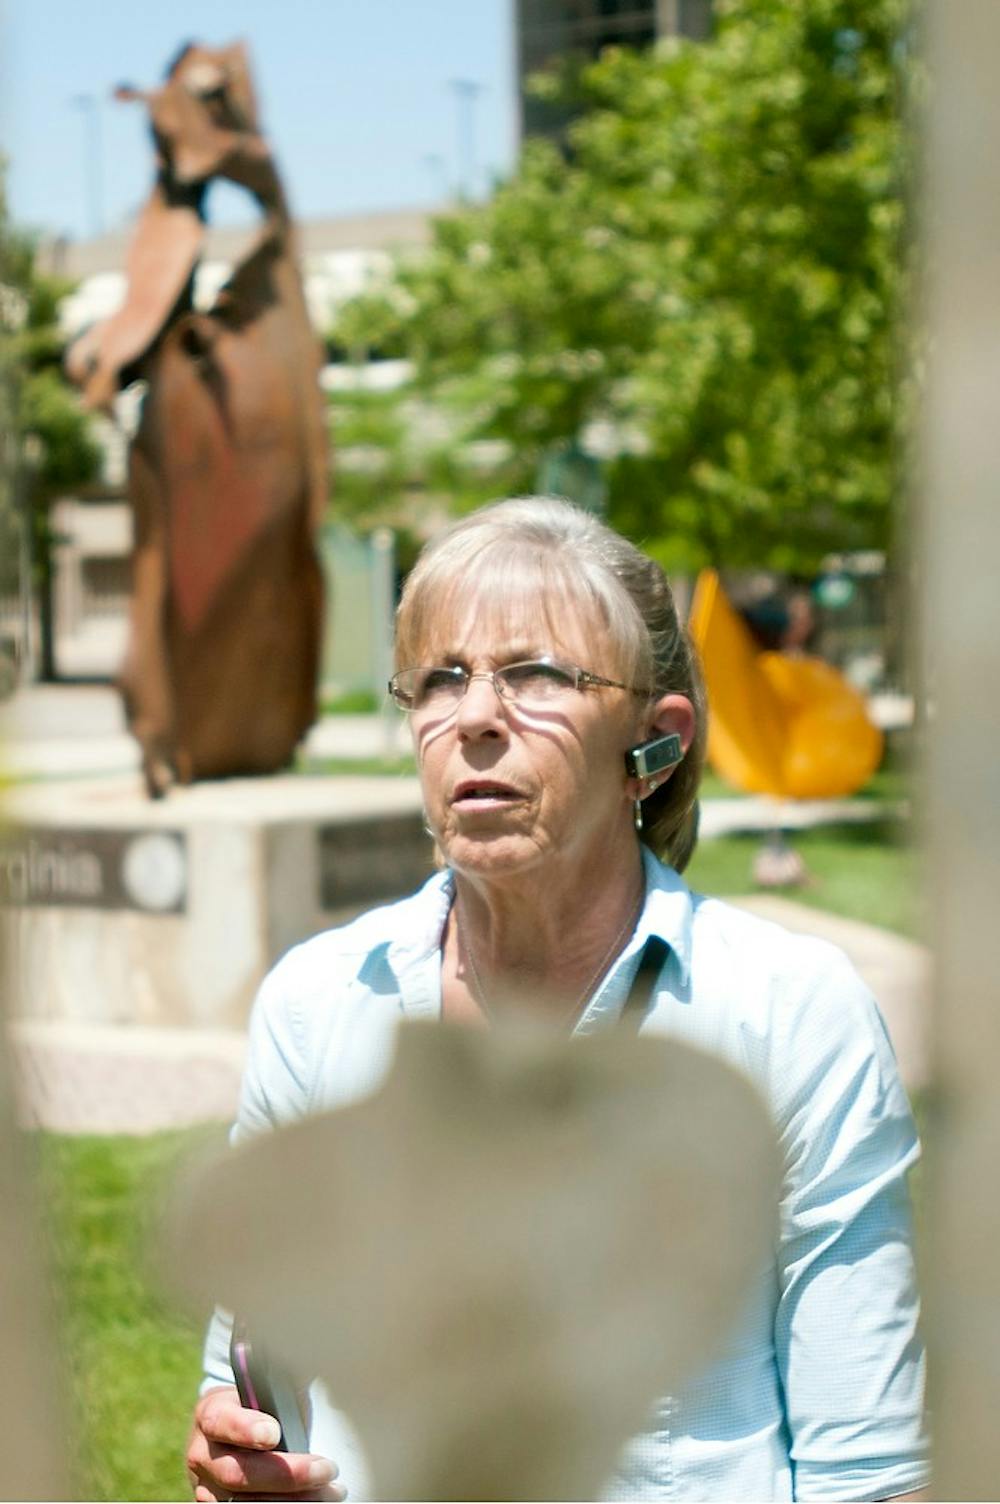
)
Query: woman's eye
[
  {"x": 441, "y": 681},
  {"x": 538, "y": 678}
]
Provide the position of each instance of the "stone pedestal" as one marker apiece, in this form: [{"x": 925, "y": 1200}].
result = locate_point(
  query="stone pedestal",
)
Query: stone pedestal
[{"x": 118, "y": 910}]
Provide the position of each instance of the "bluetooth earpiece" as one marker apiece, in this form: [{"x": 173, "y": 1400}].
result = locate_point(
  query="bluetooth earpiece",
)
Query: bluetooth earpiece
[{"x": 653, "y": 756}]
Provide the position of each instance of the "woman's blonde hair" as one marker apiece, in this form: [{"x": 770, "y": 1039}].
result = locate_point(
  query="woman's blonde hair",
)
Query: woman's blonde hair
[{"x": 543, "y": 550}]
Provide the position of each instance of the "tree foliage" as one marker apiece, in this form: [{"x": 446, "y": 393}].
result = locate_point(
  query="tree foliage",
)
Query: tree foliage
[
  {"x": 707, "y": 282},
  {"x": 47, "y": 447},
  {"x": 38, "y": 401}
]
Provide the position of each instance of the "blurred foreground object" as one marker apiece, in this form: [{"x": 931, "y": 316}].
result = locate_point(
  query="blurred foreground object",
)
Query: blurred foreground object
[
  {"x": 960, "y": 611},
  {"x": 227, "y": 473},
  {"x": 792, "y": 727},
  {"x": 502, "y": 1258}
]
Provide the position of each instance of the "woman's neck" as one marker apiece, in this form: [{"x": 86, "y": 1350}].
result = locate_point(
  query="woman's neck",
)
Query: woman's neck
[{"x": 547, "y": 947}]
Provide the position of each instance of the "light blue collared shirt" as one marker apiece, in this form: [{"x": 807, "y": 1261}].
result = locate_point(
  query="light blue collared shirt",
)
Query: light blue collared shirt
[{"x": 818, "y": 1394}]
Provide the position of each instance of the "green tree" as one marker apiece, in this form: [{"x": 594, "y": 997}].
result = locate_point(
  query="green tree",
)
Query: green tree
[
  {"x": 48, "y": 448},
  {"x": 711, "y": 272}
]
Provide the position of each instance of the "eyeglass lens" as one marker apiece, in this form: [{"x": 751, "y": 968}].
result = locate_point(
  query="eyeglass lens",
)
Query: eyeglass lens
[{"x": 527, "y": 684}]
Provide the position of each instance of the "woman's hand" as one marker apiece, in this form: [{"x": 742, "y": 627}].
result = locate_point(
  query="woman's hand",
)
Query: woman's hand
[{"x": 231, "y": 1454}]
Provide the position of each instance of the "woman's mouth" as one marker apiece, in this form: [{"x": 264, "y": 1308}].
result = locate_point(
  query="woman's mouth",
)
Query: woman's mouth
[{"x": 484, "y": 793}]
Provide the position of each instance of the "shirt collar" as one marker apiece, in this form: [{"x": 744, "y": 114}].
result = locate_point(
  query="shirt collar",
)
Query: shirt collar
[
  {"x": 667, "y": 911},
  {"x": 420, "y": 932}
]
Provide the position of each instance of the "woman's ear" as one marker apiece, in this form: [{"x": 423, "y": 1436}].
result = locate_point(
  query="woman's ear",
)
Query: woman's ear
[{"x": 670, "y": 714}]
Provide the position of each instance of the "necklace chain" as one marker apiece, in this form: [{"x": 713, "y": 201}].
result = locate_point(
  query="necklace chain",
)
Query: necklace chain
[{"x": 631, "y": 919}]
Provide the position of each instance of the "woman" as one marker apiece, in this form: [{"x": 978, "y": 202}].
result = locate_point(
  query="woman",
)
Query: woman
[{"x": 537, "y": 650}]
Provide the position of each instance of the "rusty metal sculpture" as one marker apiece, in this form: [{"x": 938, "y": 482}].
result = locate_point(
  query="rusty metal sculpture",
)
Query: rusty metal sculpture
[{"x": 227, "y": 472}]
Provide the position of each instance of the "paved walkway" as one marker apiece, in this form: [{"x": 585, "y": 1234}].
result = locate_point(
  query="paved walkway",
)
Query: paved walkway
[{"x": 88, "y": 1078}]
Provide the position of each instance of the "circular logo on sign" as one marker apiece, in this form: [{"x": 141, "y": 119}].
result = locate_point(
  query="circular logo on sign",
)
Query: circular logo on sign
[{"x": 153, "y": 871}]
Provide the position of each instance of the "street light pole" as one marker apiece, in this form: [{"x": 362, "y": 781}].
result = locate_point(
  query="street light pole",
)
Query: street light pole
[
  {"x": 89, "y": 105},
  {"x": 28, "y": 461},
  {"x": 434, "y": 162},
  {"x": 466, "y": 91},
  {"x": 383, "y": 577}
]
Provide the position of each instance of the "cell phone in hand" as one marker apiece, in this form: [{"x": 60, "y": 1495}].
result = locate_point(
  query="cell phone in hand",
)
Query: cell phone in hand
[{"x": 264, "y": 1386}]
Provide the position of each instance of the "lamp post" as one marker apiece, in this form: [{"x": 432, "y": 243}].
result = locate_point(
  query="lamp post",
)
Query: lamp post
[
  {"x": 466, "y": 91},
  {"x": 434, "y": 162},
  {"x": 28, "y": 463},
  {"x": 566, "y": 469},
  {"x": 383, "y": 554},
  {"x": 89, "y": 105}
]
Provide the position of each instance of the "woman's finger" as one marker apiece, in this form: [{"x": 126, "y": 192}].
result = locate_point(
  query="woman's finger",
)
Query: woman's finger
[
  {"x": 221, "y": 1417},
  {"x": 241, "y": 1471}
]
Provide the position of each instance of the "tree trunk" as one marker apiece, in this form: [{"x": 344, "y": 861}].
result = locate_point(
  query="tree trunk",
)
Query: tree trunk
[{"x": 44, "y": 576}]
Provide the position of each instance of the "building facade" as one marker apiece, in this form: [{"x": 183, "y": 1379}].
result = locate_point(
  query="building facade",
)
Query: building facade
[{"x": 548, "y": 30}]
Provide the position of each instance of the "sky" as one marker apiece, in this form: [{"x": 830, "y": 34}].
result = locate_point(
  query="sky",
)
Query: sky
[{"x": 356, "y": 98}]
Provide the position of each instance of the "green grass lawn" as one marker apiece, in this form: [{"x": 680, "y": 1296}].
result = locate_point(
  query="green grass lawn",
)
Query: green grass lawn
[
  {"x": 352, "y": 702},
  {"x": 381, "y": 767},
  {"x": 864, "y": 871},
  {"x": 132, "y": 1367}
]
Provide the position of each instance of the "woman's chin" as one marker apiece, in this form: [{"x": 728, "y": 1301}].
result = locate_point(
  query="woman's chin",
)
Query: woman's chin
[{"x": 490, "y": 855}]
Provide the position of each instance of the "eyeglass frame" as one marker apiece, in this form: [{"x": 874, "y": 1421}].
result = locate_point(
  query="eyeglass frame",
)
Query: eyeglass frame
[{"x": 584, "y": 679}]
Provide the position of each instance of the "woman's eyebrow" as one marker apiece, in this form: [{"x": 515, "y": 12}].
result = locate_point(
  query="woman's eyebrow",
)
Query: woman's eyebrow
[
  {"x": 443, "y": 657},
  {"x": 521, "y": 650},
  {"x": 525, "y": 650}
]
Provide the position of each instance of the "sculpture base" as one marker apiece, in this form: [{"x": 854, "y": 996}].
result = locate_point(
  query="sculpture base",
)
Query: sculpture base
[{"x": 119, "y": 910}]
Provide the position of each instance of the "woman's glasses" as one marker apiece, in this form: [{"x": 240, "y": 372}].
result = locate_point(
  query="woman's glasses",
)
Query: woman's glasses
[{"x": 538, "y": 684}]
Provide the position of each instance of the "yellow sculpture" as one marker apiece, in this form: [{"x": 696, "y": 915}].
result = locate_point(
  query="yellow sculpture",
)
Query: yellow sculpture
[{"x": 791, "y": 727}]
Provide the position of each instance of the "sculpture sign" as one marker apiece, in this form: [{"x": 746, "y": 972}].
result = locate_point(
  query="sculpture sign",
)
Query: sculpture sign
[{"x": 107, "y": 868}]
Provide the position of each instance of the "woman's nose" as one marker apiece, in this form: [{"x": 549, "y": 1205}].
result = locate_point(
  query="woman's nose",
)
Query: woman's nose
[{"x": 480, "y": 711}]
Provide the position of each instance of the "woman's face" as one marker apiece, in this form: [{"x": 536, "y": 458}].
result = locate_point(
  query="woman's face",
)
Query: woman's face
[{"x": 508, "y": 789}]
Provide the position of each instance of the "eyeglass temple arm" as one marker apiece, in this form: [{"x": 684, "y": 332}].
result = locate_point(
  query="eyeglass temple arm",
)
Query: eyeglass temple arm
[{"x": 586, "y": 677}]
